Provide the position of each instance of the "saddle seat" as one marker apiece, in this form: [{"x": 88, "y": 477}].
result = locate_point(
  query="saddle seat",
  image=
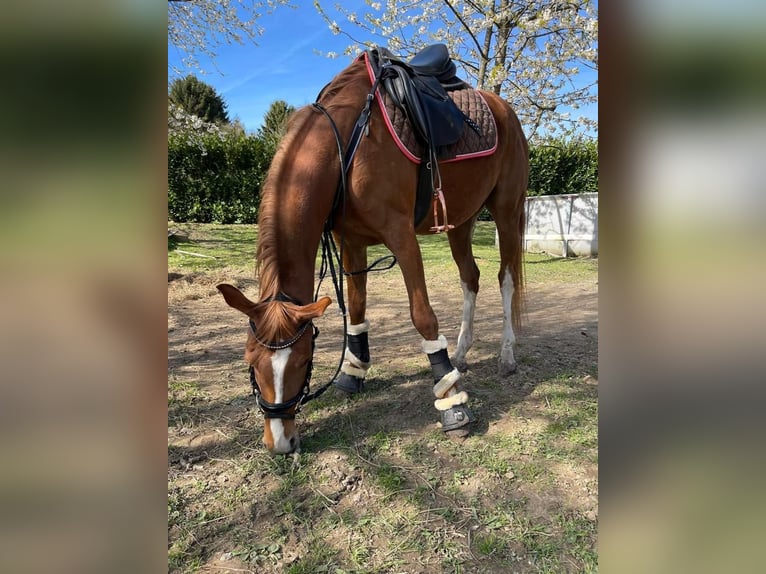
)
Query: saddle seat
[{"x": 434, "y": 61}]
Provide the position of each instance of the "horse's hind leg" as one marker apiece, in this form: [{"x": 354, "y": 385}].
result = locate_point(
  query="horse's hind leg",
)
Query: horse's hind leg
[
  {"x": 509, "y": 220},
  {"x": 356, "y": 361},
  {"x": 462, "y": 253},
  {"x": 450, "y": 401}
]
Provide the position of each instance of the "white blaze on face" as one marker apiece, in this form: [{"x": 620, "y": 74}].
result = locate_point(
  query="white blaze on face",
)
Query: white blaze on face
[{"x": 278, "y": 366}]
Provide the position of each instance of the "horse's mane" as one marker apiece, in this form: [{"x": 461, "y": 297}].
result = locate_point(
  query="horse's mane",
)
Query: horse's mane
[
  {"x": 266, "y": 252},
  {"x": 334, "y": 96}
]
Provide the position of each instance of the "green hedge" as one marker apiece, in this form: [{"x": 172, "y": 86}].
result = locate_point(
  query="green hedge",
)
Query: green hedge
[
  {"x": 558, "y": 167},
  {"x": 216, "y": 179}
]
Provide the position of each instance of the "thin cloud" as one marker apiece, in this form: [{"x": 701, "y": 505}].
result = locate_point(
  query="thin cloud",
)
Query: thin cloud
[{"x": 276, "y": 66}]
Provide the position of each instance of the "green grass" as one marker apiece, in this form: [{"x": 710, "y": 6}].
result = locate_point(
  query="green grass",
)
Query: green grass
[
  {"x": 233, "y": 247},
  {"x": 320, "y": 558},
  {"x": 183, "y": 392},
  {"x": 388, "y": 478}
]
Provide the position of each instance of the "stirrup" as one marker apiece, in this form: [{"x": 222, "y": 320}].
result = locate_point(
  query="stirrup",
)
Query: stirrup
[
  {"x": 456, "y": 417},
  {"x": 349, "y": 383}
]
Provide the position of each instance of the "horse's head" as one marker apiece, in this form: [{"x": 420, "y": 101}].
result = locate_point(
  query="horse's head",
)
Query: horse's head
[{"x": 279, "y": 350}]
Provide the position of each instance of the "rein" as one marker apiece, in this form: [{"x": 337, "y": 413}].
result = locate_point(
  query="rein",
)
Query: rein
[{"x": 332, "y": 261}]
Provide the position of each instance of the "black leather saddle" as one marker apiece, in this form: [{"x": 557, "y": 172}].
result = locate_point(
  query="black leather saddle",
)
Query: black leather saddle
[{"x": 419, "y": 88}]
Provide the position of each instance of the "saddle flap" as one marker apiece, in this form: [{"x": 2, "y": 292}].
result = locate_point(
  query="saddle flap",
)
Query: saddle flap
[
  {"x": 436, "y": 119},
  {"x": 444, "y": 121}
]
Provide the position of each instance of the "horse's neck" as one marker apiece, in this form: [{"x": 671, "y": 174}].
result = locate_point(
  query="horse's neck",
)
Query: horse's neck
[{"x": 297, "y": 201}]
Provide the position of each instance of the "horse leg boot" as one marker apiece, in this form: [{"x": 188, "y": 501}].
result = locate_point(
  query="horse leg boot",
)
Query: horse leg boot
[
  {"x": 356, "y": 360},
  {"x": 450, "y": 402}
]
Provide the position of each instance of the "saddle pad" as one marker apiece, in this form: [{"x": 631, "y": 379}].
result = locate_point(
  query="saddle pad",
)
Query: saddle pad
[{"x": 470, "y": 144}]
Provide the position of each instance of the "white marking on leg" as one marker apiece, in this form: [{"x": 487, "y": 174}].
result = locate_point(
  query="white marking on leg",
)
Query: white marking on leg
[
  {"x": 278, "y": 366},
  {"x": 509, "y": 338},
  {"x": 350, "y": 358},
  {"x": 465, "y": 338},
  {"x": 447, "y": 403}
]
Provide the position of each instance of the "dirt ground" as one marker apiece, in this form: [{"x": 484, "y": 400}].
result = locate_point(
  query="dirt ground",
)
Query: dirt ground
[{"x": 213, "y": 410}]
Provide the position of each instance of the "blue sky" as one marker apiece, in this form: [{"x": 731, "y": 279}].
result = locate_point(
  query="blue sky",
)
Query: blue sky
[{"x": 283, "y": 66}]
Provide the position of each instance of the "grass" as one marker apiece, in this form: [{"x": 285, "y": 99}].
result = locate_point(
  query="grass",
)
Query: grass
[
  {"x": 514, "y": 497},
  {"x": 230, "y": 246},
  {"x": 233, "y": 247}
]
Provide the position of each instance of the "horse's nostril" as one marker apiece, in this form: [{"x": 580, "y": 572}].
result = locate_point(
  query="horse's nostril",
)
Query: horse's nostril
[{"x": 292, "y": 443}]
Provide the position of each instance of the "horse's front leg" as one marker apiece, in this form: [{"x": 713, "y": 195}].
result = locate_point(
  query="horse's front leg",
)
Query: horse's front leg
[
  {"x": 356, "y": 360},
  {"x": 450, "y": 401}
]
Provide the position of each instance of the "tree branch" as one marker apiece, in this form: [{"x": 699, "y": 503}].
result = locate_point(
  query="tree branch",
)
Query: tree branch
[{"x": 467, "y": 28}]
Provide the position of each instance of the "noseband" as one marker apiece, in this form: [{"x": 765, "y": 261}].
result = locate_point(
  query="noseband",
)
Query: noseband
[{"x": 280, "y": 410}]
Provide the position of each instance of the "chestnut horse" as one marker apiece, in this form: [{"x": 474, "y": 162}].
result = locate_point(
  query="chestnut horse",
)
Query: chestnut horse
[{"x": 297, "y": 199}]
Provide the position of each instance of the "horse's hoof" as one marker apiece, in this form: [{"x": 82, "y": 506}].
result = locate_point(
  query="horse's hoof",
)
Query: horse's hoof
[
  {"x": 349, "y": 384},
  {"x": 460, "y": 364},
  {"x": 505, "y": 369},
  {"x": 456, "y": 419}
]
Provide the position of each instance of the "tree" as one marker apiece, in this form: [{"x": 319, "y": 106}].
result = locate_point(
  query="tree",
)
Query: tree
[
  {"x": 196, "y": 28},
  {"x": 528, "y": 51},
  {"x": 275, "y": 123},
  {"x": 198, "y": 99}
]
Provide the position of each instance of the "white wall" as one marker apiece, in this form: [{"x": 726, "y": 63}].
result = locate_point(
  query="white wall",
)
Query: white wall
[{"x": 564, "y": 225}]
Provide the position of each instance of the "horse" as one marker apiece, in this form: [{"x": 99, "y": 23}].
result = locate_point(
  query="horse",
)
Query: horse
[{"x": 299, "y": 199}]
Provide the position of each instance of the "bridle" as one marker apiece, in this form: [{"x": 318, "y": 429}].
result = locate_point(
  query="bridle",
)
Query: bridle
[{"x": 280, "y": 410}]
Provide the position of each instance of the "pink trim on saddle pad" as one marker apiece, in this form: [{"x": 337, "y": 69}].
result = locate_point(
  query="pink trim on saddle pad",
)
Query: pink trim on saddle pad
[{"x": 403, "y": 147}]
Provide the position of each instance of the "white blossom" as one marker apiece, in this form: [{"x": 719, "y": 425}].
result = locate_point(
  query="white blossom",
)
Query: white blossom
[
  {"x": 197, "y": 28},
  {"x": 537, "y": 49}
]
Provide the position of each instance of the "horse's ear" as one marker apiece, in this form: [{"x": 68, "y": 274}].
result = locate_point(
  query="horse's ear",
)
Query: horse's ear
[
  {"x": 313, "y": 310},
  {"x": 236, "y": 299}
]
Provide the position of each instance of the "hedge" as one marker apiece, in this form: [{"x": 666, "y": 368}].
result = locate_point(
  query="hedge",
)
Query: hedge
[
  {"x": 217, "y": 179},
  {"x": 558, "y": 167}
]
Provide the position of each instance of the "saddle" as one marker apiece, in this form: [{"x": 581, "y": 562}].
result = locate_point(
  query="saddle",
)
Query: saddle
[{"x": 419, "y": 88}]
